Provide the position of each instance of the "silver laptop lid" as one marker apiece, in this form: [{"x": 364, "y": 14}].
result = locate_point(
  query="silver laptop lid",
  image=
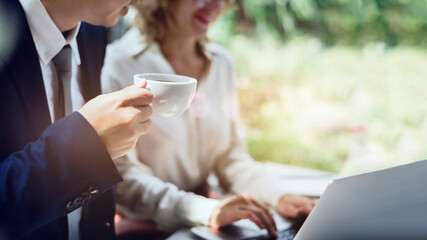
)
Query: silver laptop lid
[{"x": 385, "y": 204}]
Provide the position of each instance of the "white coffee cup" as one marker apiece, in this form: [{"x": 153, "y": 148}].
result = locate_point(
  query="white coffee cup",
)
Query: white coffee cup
[{"x": 172, "y": 93}]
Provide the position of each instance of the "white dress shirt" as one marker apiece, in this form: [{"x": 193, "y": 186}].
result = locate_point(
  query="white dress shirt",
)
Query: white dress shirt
[
  {"x": 178, "y": 154},
  {"x": 49, "y": 41}
]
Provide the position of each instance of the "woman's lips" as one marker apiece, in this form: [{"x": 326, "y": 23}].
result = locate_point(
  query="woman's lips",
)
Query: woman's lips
[{"x": 204, "y": 20}]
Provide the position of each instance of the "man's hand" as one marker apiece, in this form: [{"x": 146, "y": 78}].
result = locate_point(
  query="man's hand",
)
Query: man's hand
[
  {"x": 295, "y": 206},
  {"x": 243, "y": 207},
  {"x": 120, "y": 118}
]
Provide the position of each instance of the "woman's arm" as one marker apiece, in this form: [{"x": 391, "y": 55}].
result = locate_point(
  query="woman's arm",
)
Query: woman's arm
[
  {"x": 239, "y": 173},
  {"x": 144, "y": 196}
]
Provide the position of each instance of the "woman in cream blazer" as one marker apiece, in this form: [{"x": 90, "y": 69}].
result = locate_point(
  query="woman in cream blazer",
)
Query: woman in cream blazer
[{"x": 165, "y": 175}]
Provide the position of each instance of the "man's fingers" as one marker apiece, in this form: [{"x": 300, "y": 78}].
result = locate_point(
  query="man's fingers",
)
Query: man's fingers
[
  {"x": 140, "y": 83},
  {"x": 145, "y": 127},
  {"x": 134, "y": 96},
  {"x": 138, "y": 118},
  {"x": 145, "y": 113}
]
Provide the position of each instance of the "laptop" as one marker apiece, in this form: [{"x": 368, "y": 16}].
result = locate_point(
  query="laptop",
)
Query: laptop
[
  {"x": 245, "y": 229},
  {"x": 385, "y": 204}
]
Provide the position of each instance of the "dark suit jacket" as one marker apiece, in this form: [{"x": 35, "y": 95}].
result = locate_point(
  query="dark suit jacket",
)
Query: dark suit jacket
[{"x": 47, "y": 170}]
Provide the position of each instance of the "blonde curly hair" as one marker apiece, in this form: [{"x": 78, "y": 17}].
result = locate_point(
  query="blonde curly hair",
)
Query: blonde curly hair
[
  {"x": 155, "y": 15},
  {"x": 153, "y": 18}
]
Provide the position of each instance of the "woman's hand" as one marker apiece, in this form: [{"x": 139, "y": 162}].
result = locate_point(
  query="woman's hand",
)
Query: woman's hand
[
  {"x": 294, "y": 206},
  {"x": 243, "y": 207}
]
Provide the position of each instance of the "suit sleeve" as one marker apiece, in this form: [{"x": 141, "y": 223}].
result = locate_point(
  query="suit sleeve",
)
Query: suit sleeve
[{"x": 65, "y": 168}]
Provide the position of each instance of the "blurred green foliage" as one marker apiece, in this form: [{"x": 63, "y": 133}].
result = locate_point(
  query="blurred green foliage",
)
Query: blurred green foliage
[
  {"x": 337, "y": 85},
  {"x": 340, "y": 109},
  {"x": 352, "y": 22}
]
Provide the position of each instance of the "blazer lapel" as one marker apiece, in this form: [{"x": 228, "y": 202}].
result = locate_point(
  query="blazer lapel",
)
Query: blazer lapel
[
  {"x": 28, "y": 80},
  {"x": 92, "y": 41}
]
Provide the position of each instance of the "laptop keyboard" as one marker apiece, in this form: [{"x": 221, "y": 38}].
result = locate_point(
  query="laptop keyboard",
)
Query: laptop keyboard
[{"x": 288, "y": 234}]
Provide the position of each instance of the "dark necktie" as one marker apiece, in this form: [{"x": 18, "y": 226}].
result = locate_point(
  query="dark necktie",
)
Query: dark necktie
[{"x": 62, "y": 103}]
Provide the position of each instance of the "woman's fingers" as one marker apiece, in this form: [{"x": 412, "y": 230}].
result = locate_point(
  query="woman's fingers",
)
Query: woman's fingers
[
  {"x": 295, "y": 206},
  {"x": 291, "y": 211},
  {"x": 266, "y": 212},
  {"x": 253, "y": 217},
  {"x": 264, "y": 216},
  {"x": 243, "y": 207},
  {"x": 255, "y": 202}
]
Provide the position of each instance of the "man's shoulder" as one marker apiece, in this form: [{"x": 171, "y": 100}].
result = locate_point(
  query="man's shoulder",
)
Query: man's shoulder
[
  {"x": 86, "y": 28},
  {"x": 14, "y": 30},
  {"x": 91, "y": 37}
]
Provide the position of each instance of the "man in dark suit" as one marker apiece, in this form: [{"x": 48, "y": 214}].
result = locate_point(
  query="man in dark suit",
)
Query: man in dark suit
[{"x": 50, "y": 167}]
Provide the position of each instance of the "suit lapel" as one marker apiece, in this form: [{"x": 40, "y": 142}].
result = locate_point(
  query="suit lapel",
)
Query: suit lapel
[
  {"x": 92, "y": 42},
  {"x": 28, "y": 80}
]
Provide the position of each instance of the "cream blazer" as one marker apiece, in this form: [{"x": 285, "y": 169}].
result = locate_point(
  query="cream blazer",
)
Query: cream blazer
[{"x": 178, "y": 154}]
